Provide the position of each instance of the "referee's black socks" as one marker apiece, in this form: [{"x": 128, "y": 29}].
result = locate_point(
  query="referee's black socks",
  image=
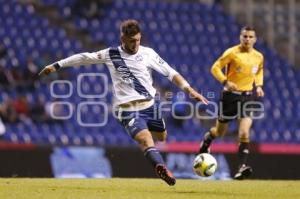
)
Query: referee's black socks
[
  {"x": 208, "y": 138},
  {"x": 243, "y": 153}
]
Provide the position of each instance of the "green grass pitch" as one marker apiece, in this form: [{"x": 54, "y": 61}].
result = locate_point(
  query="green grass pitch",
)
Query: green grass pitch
[{"x": 123, "y": 188}]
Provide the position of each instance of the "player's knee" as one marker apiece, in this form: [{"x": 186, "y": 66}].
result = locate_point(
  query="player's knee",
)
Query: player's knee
[
  {"x": 144, "y": 139},
  {"x": 213, "y": 132},
  {"x": 160, "y": 136}
]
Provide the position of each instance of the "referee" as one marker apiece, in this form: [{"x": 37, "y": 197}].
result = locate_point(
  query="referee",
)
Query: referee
[{"x": 238, "y": 69}]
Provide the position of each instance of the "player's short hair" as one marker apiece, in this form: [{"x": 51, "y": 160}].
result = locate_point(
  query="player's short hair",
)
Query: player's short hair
[
  {"x": 247, "y": 28},
  {"x": 130, "y": 27}
]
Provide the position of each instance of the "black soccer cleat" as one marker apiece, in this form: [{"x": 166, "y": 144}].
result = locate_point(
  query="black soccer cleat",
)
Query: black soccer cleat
[
  {"x": 243, "y": 172},
  {"x": 165, "y": 174},
  {"x": 204, "y": 148}
]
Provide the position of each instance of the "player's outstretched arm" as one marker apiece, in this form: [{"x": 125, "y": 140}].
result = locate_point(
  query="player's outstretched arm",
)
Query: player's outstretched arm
[
  {"x": 47, "y": 70},
  {"x": 75, "y": 60},
  {"x": 197, "y": 96},
  {"x": 179, "y": 81}
]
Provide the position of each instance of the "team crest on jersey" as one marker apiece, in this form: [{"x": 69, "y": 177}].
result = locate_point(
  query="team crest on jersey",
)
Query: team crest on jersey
[
  {"x": 139, "y": 58},
  {"x": 125, "y": 74}
]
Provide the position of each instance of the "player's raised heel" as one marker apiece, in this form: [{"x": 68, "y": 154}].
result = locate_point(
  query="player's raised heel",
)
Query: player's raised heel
[
  {"x": 165, "y": 174},
  {"x": 244, "y": 172}
]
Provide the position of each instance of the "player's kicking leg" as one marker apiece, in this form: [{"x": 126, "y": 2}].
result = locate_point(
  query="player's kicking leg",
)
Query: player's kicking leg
[
  {"x": 144, "y": 138},
  {"x": 161, "y": 170},
  {"x": 138, "y": 126}
]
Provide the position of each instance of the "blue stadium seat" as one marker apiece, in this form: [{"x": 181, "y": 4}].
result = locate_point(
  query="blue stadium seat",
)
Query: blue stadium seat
[{"x": 188, "y": 35}]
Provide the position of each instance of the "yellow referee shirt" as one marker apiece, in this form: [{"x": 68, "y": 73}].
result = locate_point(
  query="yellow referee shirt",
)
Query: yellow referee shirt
[{"x": 241, "y": 67}]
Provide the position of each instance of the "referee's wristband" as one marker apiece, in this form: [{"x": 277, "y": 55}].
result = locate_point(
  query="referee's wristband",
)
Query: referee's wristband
[{"x": 56, "y": 66}]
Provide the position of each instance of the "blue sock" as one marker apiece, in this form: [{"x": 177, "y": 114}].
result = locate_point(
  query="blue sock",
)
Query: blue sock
[{"x": 154, "y": 156}]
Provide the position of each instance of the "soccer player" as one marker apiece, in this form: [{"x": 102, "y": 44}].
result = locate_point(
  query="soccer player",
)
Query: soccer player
[
  {"x": 243, "y": 68},
  {"x": 130, "y": 66}
]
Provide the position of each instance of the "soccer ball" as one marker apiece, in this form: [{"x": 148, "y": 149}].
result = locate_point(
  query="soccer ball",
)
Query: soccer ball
[{"x": 205, "y": 165}]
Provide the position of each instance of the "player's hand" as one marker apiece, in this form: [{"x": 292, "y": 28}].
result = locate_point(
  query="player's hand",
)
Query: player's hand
[
  {"x": 231, "y": 86},
  {"x": 259, "y": 92},
  {"x": 47, "y": 70},
  {"x": 197, "y": 96}
]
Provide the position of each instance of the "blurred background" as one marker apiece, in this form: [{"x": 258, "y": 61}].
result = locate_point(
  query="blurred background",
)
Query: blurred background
[{"x": 50, "y": 125}]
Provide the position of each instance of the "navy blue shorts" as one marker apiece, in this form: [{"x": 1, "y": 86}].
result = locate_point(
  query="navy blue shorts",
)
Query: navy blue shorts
[{"x": 136, "y": 121}]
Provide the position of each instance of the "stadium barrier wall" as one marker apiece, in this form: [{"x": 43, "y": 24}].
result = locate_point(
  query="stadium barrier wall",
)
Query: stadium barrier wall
[
  {"x": 89, "y": 162},
  {"x": 24, "y": 160}
]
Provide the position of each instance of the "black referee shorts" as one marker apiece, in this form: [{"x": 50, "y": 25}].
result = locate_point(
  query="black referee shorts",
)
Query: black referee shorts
[{"x": 235, "y": 106}]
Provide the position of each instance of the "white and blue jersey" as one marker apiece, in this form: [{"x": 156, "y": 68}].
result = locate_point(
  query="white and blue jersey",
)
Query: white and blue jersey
[
  {"x": 132, "y": 80},
  {"x": 131, "y": 74}
]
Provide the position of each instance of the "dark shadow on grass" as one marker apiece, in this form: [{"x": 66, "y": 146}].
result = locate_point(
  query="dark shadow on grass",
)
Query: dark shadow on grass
[
  {"x": 192, "y": 192},
  {"x": 216, "y": 193}
]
